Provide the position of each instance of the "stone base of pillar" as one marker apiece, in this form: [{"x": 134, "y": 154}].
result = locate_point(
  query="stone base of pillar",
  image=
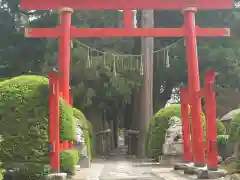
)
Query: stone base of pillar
[
  {"x": 57, "y": 176},
  {"x": 208, "y": 174}
]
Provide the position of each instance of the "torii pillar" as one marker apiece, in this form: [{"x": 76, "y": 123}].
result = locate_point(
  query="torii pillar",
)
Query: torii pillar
[
  {"x": 65, "y": 57},
  {"x": 64, "y": 52},
  {"x": 194, "y": 85}
]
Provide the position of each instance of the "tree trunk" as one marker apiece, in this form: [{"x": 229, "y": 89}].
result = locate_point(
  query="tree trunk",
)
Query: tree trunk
[
  {"x": 146, "y": 104},
  {"x": 95, "y": 117},
  {"x": 112, "y": 135},
  {"x": 128, "y": 118},
  {"x": 135, "y": 120}
]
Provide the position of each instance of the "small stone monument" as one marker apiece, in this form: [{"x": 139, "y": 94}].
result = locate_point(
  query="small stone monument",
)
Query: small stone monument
[
  {"x": 84, "y": 159},
  {"x": 172, "y": 147}
]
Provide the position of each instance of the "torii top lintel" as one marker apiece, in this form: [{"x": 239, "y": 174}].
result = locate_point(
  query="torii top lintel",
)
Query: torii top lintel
[{"x": 125, "y": 4}]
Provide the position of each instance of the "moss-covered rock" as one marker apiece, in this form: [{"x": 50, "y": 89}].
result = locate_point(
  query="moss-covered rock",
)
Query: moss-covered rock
[
  {"x": 24, "y": 110},
  {"x": 87, "y": 130}
]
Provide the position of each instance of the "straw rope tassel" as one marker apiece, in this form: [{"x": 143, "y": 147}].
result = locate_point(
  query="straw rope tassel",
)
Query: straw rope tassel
[
  {"x": 114, "y": 66},
  {"x": 167, "y": 59},
  {"x": 141, "y": 66},
  {"x": 91, "y": 57},
  {"x": 104, "y": 59},
  {"x": 88, "y": 58}
]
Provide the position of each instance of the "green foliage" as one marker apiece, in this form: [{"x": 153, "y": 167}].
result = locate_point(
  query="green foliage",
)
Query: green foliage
[
  {"x": 24, "y": 124},
  {"x": 225, "y": 147},
  {"x": 234, "y": 135},
  {"x": 69, "y": 159},
  {"x": 87, "y": 130},
  {"x": 222, "y": 140},
  {"x": 221, "y": 130},
  {"x": 159, "y": 126},
  {"x": 68, "y": 122},
  {"x": 1, "y": 174},
  {"x": 147, "y": 141}
]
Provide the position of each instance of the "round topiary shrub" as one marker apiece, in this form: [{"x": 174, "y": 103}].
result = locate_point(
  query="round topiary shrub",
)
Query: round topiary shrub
[
  {"x": 24, "y": 125},
  {"x": 225, "y": 148},
  {"x": 158, "y": 128},
  {"x": 234, "y": 136},
  {"x": 1, "y": 174},
  {"x": 221, "y": 130},
  {"x": 87, "y": 130}
]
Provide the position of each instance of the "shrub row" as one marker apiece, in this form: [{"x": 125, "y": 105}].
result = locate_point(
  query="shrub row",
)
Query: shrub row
[{"x": 24, "y": 115}]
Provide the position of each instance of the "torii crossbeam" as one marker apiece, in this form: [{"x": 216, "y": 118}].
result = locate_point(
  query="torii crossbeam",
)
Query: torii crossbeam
[
  {"x": 124, "y": 4},
  {"x": 65, "y": 31}
]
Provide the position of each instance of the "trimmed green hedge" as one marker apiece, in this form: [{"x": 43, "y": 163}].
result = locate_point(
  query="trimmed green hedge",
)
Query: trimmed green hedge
[
  {"x": 87, "y": 130},
  {"x": 221, "y": 130},
  {"x": 1, "y": 174},
  {"x": 24, "y": 113},
  {"x": 160, "y": 124},
  {"x": 68, "y": 122},
  {"x": 158, "y": 128},
  {"x": 69, "y": 159},
  {"x": 234, "y": 135}
]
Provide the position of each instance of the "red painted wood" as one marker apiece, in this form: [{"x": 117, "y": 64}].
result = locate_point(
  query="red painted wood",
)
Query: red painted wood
[
  {"x": 64, "y": 58},
  {"x": 210, "y": 103},
  {"x": 127, "y": 32},
  {"x": 194, "y": 87},
  {"x": 123, "y": 32},
  {"x": 123, "y": 4},
  {"x": 43, "y": 32},
  {"x": 128, "y": 18},
  {"x": 187, "y": 148},
  {"x": 54, "y": 123},
  {"x": 212, "y": 32}
]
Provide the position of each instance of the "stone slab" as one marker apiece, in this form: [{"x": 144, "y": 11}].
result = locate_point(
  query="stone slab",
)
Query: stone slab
[
  {"x": 168, "y": 174},
  {"x": 84, "y": 162},
  {"x": 57, "y": 176}
]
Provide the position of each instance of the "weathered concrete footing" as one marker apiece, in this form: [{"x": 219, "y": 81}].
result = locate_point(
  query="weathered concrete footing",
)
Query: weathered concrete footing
[
  {"x": 190, "y": 170},
  {"x": 57, "y": 176},
  {"x": 180, "y": 166}
]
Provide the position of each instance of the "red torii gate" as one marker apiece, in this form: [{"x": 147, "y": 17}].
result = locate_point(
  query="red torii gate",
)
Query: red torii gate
[
  {"x": 210, "y": 114},
  {"x": 65, "y": 31}
]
